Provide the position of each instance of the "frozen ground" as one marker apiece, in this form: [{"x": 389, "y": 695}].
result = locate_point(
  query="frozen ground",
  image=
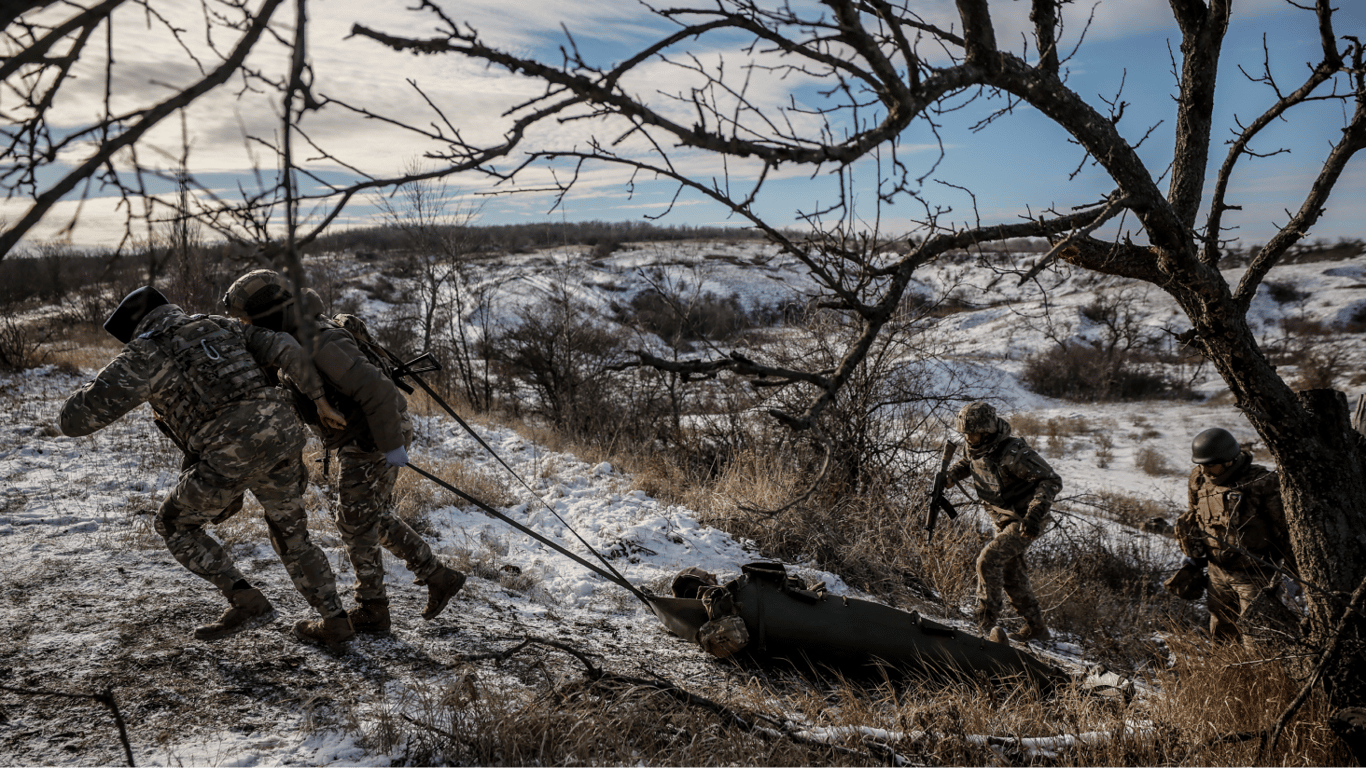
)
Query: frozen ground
[{"x": 89, "y": 597}]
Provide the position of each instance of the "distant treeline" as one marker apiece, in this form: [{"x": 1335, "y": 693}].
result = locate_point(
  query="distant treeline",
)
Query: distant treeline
[{"x": 513, "y": 238}]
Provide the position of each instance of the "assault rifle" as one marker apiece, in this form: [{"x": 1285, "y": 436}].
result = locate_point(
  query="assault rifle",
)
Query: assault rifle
[{"x": 937, "y": 502}]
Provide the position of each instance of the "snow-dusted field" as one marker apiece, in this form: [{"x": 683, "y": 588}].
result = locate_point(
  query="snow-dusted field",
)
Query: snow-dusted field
[{"x": 90, "y": 599}]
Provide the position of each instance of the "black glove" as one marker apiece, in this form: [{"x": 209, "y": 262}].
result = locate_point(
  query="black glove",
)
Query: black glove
[
  {"x": 1189, "y": 582},
  {"x": 1031, "y": 527}
]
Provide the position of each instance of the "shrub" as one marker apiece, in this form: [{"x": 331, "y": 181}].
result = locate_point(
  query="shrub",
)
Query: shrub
[
  {"x": 1152, "y": 461},
  {"x": 1074, "y": 371},
  {"x": 21, "y": 345},
  {"x": 677, "y": 319},
  {"x": 1285, "y": 293}
]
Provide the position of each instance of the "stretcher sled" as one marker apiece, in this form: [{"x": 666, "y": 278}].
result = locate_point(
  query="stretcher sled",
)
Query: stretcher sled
[{"x": 766, "y": 613}]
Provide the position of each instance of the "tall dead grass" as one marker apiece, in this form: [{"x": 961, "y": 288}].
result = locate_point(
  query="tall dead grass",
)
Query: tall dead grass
[{"x": 1207, "y": 708}]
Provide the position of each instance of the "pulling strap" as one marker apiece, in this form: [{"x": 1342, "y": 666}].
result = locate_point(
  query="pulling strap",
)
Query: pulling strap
[{"x": 614, "y": 577}]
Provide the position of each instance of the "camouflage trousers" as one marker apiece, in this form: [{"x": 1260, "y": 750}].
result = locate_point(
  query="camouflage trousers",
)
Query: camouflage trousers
[
  {"x": 207, "y": 487},
  {"x": 1001, "y": 568},
  {"x": 366, "y": 521},
  {"x": 1246, "y": 606}
]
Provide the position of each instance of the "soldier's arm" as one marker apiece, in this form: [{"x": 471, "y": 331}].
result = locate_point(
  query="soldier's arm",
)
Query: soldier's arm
[
  {"x": 350, "y": 371},
  {"x": 122, "y": 386},
  {"x": 1188, "y": 534},
  {"x": 280, "y": 350},
  {"x": 1028, "y": 465},
  {"x": 958, "y": 472}
]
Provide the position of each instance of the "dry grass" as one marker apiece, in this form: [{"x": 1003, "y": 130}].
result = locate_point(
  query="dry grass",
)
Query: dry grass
[
  {"x": 82, "y": 348},
  {"x": 1200, "y": 713},
  {"x": 1153, "y": 462},
  {"x": 415, "y": 497}
]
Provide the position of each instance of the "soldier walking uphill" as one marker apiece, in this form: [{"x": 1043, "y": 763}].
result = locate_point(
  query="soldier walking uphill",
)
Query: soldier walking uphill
[
  {"x": 203, "y": 377},
  {"x": 1234, "y": 526},
  {"x": 370, "y": 450},
  {"x": 1017, "y": 487}
]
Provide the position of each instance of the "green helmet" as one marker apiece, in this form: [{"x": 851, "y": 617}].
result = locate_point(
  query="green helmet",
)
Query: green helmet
[
  {"x": 977, "y": 417},
  {"x": 1215, "y": 446},
  {"x": 257, "y": 293}
]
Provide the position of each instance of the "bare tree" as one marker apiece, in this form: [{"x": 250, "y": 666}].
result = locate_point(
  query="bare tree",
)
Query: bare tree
[{"x": 882, "y": 67}]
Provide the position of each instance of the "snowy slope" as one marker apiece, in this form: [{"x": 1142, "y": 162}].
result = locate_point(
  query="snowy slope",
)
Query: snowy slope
[{"x": 90, "y": 598}]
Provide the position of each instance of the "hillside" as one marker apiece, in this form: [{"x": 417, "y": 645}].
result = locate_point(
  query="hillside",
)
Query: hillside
[{"x": 91, "y": 600}]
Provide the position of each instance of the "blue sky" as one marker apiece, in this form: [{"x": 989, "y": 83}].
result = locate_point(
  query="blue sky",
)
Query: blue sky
[{"x": 1019, "y": 163}]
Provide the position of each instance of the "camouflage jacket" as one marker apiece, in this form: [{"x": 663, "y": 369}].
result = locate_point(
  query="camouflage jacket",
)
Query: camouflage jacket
[
  {"x": 1009, "y": 477},
  {"x": 1240, "y": 509},
  {"x": 198, "y": 373},
  {"x": 365, "y": 394}
]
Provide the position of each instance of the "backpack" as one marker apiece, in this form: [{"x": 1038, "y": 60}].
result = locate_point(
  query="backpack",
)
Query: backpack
[{"x": 376, "y": 353}]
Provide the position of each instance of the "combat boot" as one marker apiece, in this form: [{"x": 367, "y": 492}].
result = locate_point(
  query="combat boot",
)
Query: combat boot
[
  {"x": 985, "y": 618},
  {"x": 441, "y": 587},
  {"x": 330, "y": 633},
  {"x": 1031, "y": 631},
  {"x": 247, "y": 608},
  {"x": 371, "y": 617}
]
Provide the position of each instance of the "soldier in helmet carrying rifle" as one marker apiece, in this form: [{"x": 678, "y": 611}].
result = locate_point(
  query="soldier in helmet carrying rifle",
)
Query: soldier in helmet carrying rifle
[
  {"x": 370, "y": 448},
  {"x": 1017, "y": 487},
  {"x": 1234, "y": 535}
]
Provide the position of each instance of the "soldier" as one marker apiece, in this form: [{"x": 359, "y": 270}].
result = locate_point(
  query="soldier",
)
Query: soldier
[
  {"x": 1235, "y": 527},
  {"x": 370, "y": 450},
  {"x": 1017, "y": 487},
  {"x": 204, "y": 379}
]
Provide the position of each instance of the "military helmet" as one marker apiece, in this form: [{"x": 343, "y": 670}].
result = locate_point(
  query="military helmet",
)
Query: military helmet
[
  {"x": 1215, "y": 446},
  {"x": 131, "y": 310},
  {"x": 977, "y": 417},
  {"x": 258, "y": 293}
]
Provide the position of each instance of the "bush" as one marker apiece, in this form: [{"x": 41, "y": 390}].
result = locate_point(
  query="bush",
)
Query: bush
[
  {"x": 1084, "y": 372},
  {"x": 21, "y": 346},
  {"x": 677, "y": 319}
]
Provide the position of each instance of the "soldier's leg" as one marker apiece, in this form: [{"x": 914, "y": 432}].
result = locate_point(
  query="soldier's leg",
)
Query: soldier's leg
[
  {"x": 1224, "y": 605},
  {"x": 1021, "y": 593},
  {"x": 1262, "y": 617},
  {"x": 198, "y": 497},
  {"x": 367, "y": 521},
  {"x": 280, "y": 492},
  {"x": 1007, "y": 545}
]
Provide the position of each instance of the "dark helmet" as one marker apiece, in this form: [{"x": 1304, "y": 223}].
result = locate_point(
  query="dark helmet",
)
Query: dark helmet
[
  {"x": 978, "y": 417},
  {"x": 1215, "y": 446},
  {"x": 256, "y": 294},
  {"x": 131, "y": 310}
]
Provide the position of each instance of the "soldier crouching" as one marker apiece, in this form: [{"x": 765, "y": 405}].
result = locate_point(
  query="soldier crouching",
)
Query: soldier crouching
[
  {"x": 1234, "y": 526},
  {"x": 1017, "y": 487},
  {"x": 203, "y": 377}
]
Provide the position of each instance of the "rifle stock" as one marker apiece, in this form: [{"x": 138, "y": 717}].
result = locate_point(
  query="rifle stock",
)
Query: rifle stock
[{"x": 937, "y": 502}]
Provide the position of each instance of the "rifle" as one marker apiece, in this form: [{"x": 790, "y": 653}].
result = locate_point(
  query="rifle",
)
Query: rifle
[{"x": 937, "y": 502}]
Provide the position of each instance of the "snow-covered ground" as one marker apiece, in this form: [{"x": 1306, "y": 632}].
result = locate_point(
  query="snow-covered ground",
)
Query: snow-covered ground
[{"x": 90, "y": 599}]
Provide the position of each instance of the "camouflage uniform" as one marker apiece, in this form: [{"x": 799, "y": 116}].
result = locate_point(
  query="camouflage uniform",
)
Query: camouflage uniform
[
  {"x": 1236, "y": 521},
  {"x": 1013, "y": 483},
  {"x": 203, "y": 378},
  {"x": 377, "y": 422}
]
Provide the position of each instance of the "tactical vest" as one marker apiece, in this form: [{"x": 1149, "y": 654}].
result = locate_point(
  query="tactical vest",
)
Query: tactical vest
[
  {"x": 1236, "y": 514},
  {"x": 996, "y": 487},
  {"x": 208, "y": 371}
]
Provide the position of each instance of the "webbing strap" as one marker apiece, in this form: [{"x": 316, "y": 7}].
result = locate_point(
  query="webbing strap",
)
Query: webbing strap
[
  {"x": 494, "y": 454},
  {"x": 613, "y": 577}
]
